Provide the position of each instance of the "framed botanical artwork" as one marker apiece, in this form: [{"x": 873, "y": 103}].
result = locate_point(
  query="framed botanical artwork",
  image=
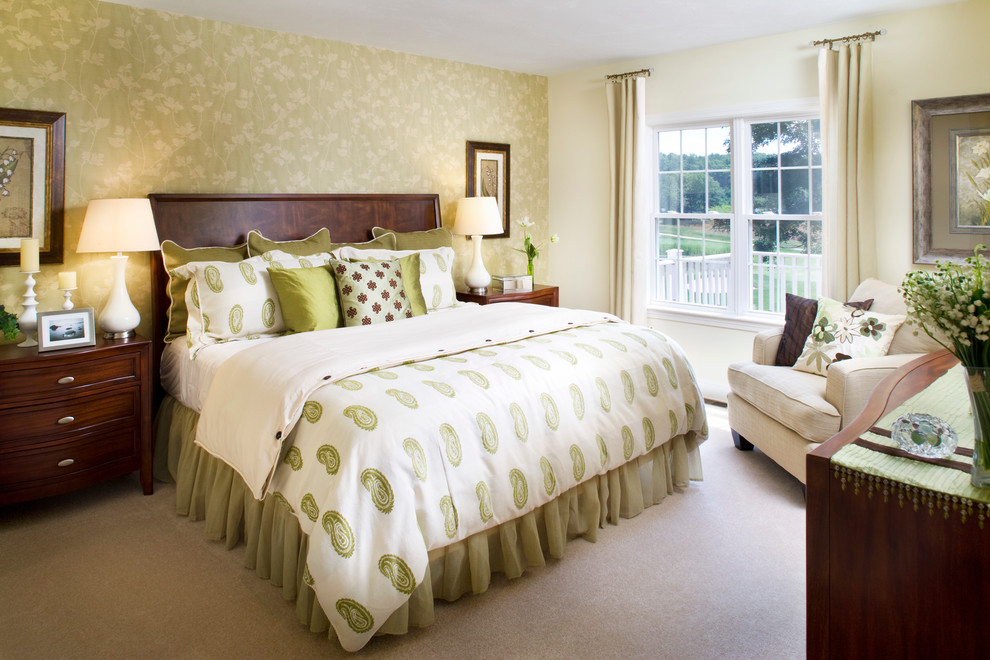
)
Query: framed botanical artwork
[
  {"x": 32, "y": 183},
  {"x": 66, "y": 329},
  {"x": 951, "y": 176},
  {"x": 488, "y": 176}
]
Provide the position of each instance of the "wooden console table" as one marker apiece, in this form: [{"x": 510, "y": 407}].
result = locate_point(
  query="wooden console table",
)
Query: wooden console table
[{"x": 898, "y": 550}]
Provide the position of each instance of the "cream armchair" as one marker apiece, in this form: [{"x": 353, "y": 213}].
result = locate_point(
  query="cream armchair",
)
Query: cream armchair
[{"x": 786, "y": 413}]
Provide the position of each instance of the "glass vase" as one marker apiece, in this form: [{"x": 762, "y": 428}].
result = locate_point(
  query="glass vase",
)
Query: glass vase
[
  {"x": 530, "y": 270},
  {"x": 978, "y": 386}
]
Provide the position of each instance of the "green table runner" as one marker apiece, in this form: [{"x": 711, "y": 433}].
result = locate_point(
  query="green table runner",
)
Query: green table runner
[{"x": 925, "y": 483}]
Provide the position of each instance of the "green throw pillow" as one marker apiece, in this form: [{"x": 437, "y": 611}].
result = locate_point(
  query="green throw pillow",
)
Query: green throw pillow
[
  {"x": 370, "y": 291},
  {"x": 318, "y": 242},
  {"x": 308, "y": 297},
  {"x": 173, "y": 256},
  {"x": 417, "y": 240}
]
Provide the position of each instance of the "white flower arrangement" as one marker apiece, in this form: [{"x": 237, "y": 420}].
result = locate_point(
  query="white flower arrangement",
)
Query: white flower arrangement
[
  {"x": 531, "y": 250},
  {"x": 952, "y": 305}
]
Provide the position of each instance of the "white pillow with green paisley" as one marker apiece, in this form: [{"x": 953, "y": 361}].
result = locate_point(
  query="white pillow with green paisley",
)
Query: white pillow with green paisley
[
  {"x": 846, "y": 330},
  {"x": 278, "y": 259},
  {"x": 230, "y": 301},
  {"x": 436, "y": 271}
]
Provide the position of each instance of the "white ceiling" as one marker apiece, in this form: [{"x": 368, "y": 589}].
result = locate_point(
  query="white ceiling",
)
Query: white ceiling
[{"x": 544, "y": 37}]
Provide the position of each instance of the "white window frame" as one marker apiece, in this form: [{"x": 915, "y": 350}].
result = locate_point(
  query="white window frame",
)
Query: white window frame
[{"x": 738, "y": 118}]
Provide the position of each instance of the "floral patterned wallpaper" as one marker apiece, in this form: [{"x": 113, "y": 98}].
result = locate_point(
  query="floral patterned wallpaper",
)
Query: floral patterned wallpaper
[{"x": 159, "y": 102}]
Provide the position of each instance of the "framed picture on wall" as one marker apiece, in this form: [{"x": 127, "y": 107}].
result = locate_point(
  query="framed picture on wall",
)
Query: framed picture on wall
[
  {"x": 488, "y": 176},
  {"x": 951, "y": 176},
  {"x": 32, "y": 183}
]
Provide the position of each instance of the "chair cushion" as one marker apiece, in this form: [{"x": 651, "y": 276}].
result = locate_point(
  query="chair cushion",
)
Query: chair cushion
[{"x": 794, "y": 398}]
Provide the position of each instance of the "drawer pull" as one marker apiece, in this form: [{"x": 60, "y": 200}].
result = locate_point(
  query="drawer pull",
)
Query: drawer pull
[
  {"x": 66, "y": 462},
  {"x": 65, "y": 380},
  {"x": 68, "y": 419}
]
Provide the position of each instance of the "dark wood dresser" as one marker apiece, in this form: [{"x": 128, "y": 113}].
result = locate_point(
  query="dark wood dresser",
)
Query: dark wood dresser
[
  {"x": 73, "y": 417},
  {"x": 541, "y": 294},
  {"x": 898, "y": 550}
]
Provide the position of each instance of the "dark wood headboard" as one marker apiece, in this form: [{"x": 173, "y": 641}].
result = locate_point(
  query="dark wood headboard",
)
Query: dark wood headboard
[{"x": 204, "y": 220}]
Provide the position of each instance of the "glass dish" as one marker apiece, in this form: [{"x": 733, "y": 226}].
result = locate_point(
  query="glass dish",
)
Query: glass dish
[{"x": 924, "y": 435}]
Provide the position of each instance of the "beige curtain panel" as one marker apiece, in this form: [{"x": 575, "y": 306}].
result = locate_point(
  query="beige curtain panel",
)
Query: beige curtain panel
[
  {"x": 845, "y": 80},
  {"x": 629, "y": 198}
]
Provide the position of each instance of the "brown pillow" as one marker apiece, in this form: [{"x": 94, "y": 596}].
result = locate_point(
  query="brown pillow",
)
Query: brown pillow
[{"x": 799, "y": 318}]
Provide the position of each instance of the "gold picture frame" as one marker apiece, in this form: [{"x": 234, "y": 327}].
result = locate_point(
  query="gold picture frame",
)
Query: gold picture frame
[
  {"x": 32, "y": 183},
  {"x": 951, "y": 139},
  {"x": 488, "y": 176}
]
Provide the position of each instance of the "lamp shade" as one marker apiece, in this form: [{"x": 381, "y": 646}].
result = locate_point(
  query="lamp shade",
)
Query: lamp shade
[
  {"x": 118, "y": 225},
  {"x": 478, "y": 216}
]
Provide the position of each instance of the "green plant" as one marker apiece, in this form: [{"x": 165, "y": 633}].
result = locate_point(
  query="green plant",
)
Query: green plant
[
  {"x": 8, "y": 324},
  {"x": 531, "y": 250}
]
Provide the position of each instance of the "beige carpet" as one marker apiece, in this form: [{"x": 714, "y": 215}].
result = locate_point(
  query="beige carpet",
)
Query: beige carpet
[{"x": 714, "y": 572}]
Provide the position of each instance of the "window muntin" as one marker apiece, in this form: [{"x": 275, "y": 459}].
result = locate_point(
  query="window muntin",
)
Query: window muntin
[
  {"x": 774, "y": 222},
  {"x": 695, "y": 171},
  {"x": 787, "y": 167}
]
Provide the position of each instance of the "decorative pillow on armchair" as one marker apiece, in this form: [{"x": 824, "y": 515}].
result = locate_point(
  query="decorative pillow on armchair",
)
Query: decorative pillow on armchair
[
  {"x": 799, "y": 317},
  {"x": 843, "y": 329}
]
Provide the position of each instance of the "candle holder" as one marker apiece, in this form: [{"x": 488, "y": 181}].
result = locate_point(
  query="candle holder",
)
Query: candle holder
[
  {"x": 28, "y": 320},
  {"x": 68, "y": 298}
]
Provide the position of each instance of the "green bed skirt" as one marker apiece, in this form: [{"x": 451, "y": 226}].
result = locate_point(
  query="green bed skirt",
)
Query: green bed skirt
[{"x": 207, "y": 489}]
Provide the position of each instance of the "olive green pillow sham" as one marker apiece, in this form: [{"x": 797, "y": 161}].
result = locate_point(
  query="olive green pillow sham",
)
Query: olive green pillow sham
[
  {"x": 173, "y": 256},
  {"x": 417, "y": 240},
  {"x": 319, "y": 241}
]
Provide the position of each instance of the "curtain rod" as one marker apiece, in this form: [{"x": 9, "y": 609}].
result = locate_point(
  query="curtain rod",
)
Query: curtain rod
[
  {"x": 872, "y": 36},
  {"x": 618, "y": 77}
]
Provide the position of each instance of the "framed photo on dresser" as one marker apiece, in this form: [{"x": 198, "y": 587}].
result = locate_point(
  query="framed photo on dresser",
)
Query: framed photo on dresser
[{"x": 66, "y": 329}]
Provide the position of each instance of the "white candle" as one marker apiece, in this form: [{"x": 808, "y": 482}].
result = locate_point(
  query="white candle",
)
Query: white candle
[
  {"x": 29, "y": 255},
  {"x": 67, "y": 280}
]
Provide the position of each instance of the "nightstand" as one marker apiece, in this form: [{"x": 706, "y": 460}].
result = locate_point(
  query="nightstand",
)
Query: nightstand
[
  {"x": 541, "y": 294},
  {"x": 73, "y": 417}
]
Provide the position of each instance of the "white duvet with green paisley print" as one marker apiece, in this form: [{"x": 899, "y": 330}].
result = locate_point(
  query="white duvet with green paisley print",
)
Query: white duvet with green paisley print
[{"x": 389, "y": 463}]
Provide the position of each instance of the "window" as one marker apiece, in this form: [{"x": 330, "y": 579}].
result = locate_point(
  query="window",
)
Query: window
[{"x": 738, "y": 212}]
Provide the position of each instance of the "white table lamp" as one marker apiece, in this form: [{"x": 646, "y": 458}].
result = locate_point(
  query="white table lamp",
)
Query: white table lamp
[
  {"x": 476, "y": 217},
  {"x": 118, "y": 225}
]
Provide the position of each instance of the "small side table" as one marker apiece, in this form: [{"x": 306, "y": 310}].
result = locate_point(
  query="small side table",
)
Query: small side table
[
  {"x": 541, "y": 294},
  {"x": 73, "y": 417}
]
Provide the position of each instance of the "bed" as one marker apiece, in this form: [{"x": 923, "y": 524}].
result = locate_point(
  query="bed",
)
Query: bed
[{"x": 375, "y": 467}]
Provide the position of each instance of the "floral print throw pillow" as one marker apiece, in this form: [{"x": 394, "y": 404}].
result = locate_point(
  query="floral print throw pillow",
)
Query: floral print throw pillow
[
  {"x": 839, "y": 329},
  {"x": 370, "y": 291}
]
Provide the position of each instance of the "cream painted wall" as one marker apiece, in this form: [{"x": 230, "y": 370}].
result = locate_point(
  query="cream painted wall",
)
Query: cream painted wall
[
  {"x": 158, "y": 102},
  {"x": 926, "y": 53}
]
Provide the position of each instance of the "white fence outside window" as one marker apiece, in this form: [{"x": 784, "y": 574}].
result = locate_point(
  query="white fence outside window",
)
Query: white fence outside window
[{"x": 705, "y": 280}]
